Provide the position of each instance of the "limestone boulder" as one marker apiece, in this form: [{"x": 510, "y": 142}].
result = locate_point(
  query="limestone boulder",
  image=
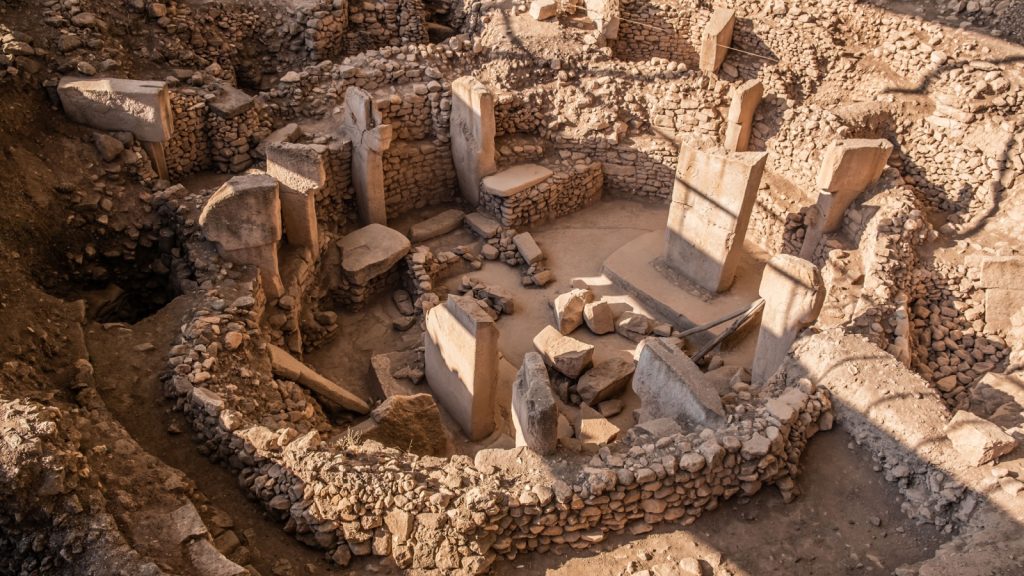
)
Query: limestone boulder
[
  {"x": 978, "y": 440},
  {"x": 371, "y": 251},
  {"x": 528, "y": 247},
  {"x": 605, "y": 380},
  {"x": 569, "y": 309},
  {"x": 566, "y": 354},
  {"x": 411, "y": 423},
  {"x": 142, "y": 107},
  {"x": 599, "y": 317},
  {"x": 595, "y": 429},
  {"x": 670, "y": 385},
  {"x": 435, "y": 226}
]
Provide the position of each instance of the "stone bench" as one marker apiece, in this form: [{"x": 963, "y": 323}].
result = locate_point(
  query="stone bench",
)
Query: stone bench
[
  {"x": 529, "y": 193},
  {"x": 368, "y": 256}
]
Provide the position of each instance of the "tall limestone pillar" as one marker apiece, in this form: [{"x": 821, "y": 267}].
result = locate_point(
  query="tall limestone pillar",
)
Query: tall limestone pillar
[
  {"x": 472, "y": 132},
  {"x": 370, "y": 139}
]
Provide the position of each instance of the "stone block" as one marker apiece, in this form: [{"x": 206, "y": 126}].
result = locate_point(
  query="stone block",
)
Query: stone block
[
  {"x": 594, "y": 429},
  {"x": 543, "y": 9},
  {"x": 534, "y": 412},
  {"x": 740, "y": 121},
  {"x": 1000, "y": 306},
  {"x": 670, "y": 385},
  {"x": 568, "y": 309},
  {"x": 599, "y": 317},
  {"x": 461, "y": 357},
  {"x": 410, "y": 423},
  {"x": 371, "y": 251},
  {"x": 716, "y": 39},
  {"x": 978, "y": 440},
  {"x": 1002, "y": 272},
  {"x": 437, "y": 225},
  {"x": 245, "y": 212},
  {"x": 605, "y": 380},
  {"x": 712, "y": 201},
  {"x": 528, "y": 247},
  {"x": 566, "y": 354},
  {"x": 142, "y": 107},
  {"x": 230, "y": 102},
  {"x": 794, "y": 293}
]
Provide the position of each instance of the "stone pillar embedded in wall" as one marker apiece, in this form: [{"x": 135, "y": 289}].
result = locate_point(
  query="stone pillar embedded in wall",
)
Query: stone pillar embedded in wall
[
  {"x": 712, "y": 201},
  {"x": 243, "y": 218},
  {"x": 745, "y": 99},
  {"x": 301, "y": 171},
  {"x": 370, "y": 139},
  {"x": 534, "y": 412},
  {"x": 472, "y": 135},
  {"x": 794, "y": 293},
  {"x": 848, "y": 168},
  {"x": 605, "y": 15},
  {"x": 716, "y": 40},
  {"x": 461, "y": 363},
  {"x": 142, "y": 107}
]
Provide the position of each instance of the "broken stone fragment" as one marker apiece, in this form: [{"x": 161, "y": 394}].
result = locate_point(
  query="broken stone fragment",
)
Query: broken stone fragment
[
  {"x": 599, "y": 317},
  {"x": 595, "y": 429},
  {"x": 410, "y": 423},
  {"x": 633, "y": 326},
  {"x": 528, "y": 247},
  {"x": 977, "y": 439},
  {"x": 566, "y": 354},
  {"x": 569, "y": 309},
  {"x": 543, "y": 9},
  {"x": 670, "y": 385},
  {"x": 534, "y": 412},
  {"x": 605, "y": 380},
  {"x": 371, "y": 251},
  {"x": 482, "y": 225},
  {"x": 287, "y": 366}
]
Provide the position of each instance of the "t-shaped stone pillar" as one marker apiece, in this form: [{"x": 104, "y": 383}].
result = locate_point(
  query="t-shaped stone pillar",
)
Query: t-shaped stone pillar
[
  {"x": 370, "y": 139},
  {"x": 711, "y": 204},
  {"x": 793, "y": 293},
  {"x": 472, "y": 132},
  {"x": 716, "y": 40},
  {"x": 243, "y": 218},
  {"x": 847, "y": 169},
  {"x": 745, "y": 99}
]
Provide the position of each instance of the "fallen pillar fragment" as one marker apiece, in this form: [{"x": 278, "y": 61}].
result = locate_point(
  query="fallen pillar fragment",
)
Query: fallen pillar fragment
[
  {"x": 461, "y": 358},
  {"x": 564, "y": 353},
  {"x": 977, "y": 439},
  {"x": 745, "y": 99},
  {"x": 670, "y": 385},
  {"x": 847, "y": 170},
  {"x": 534, "y": 412},
  {"x": 716, "y": 40},
  {"x": 794, "y": 293},
  {"x": 287, "y": 366}
]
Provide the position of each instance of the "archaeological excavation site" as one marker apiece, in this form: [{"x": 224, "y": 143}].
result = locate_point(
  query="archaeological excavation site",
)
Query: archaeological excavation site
[{"x": 510, "y": 287}]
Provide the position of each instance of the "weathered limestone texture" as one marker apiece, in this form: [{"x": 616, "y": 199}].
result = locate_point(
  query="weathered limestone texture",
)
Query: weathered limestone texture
[
  {"x": 461, "y": 359},
  {"x": 287, "y": 366},
  {"x": 711, "y": 204},
  {"x": 716, "y": 40},
  {"x": 300, "y": 168},
  {"x": 745, "y": 99},
  {"x": 370, "y": 139},
  {"x": 243, "y": 218},
  {"x": 606, "y": 18},
  {"x": 142, "y": 107},
  {"x": 794, "y": 293},
  {"x": 371, "y": 251},
  {"x": 670, "y": 385},
  {"x": 1002, "y": 278},
  {"x": 534, "y": 412},
  {"x": 847, "y": 169},
  {"x": 566, "y": 354},
  {"x": 472, "y": 135}
]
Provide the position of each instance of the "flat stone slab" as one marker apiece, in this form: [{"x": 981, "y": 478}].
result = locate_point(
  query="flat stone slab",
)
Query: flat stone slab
[
  {"x": 515, "y": 179},
  {"x": 670, "y": 385},
  {"x": 482, "y": 225},
  {"x": 287, "y": 366},
  {"x": 142, "y": 107},
  {"x": 605, "y": 380},
  {"x": 435, "y": 226},
  {"x": 243, "y": 213},
  {"x": 595, "y": 429},
  {"x": 371, "y": 251},
  {"x": 230, "y": 102}
]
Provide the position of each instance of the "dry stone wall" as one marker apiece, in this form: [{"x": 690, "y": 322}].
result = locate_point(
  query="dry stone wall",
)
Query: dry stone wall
[
  {"x": 188, "y": 150},
  {"x": 384, "y": 23},
  {"x": 418, "y": 174},
  {"x": 657, "y": 29}
]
